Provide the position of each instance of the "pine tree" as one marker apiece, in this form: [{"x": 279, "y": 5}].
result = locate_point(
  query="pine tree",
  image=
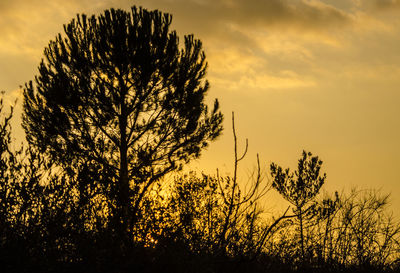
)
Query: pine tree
[
  {"x": 117, "y": 93},
  {"x": 300, "y": 187}
]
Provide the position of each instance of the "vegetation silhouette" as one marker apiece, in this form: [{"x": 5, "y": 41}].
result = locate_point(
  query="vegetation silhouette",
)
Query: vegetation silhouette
[
  {"x": 117, "y": 99},
  {"x": 116, "y": 106},
  {"x": 300, "y": 191}
]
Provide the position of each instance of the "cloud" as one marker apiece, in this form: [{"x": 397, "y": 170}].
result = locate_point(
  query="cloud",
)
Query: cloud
[
  {"x": 386, "y": 4},
  {"x": 303, "y": 14},
  {"x": 377, "y": 6},
  {"x": 262, "y": 82},
  {"x": 26, "y": 26},
  {"x": 269, "y": 36},
  {"x": 238, "y": 71},
  {"x": 266, "y": 37},
  {"x": 210, "y": 17}
]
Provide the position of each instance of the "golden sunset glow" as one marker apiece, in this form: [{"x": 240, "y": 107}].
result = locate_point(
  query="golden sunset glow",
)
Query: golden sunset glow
[{"x": 318, "y": 75}]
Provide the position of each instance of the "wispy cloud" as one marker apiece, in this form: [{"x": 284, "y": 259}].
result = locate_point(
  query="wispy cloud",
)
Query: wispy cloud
[
  {"x": 386, "y": 4},
  {"x": 210, "y": 16},
  {"x": 27, "y": 26},
  {"x": 266, "y": 36},
  {"x": 257, "y": 35},
  {"x": 24, "y": 25}
]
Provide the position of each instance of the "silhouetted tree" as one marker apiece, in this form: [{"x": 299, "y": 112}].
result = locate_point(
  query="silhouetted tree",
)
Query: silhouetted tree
[
  {"x": 117, "y": 97},
  {"x": 300, "y": 187}
]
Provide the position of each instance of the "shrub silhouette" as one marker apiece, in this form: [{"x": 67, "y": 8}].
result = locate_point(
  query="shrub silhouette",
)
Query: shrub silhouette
[
  {"x": 209, "y": 214},
  {"x": 44, "y": 227},
  {"x": 357, "y": 230}
]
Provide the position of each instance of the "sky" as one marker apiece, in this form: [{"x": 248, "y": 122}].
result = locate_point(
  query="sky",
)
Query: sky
[{"x": 315, "y": 75}]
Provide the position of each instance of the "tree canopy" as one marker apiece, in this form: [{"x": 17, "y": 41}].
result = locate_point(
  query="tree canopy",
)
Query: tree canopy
[{"x": 117, "y": 96}]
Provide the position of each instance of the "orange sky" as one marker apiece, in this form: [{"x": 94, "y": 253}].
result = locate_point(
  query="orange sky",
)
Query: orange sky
[{"x": 320, "y": 75}]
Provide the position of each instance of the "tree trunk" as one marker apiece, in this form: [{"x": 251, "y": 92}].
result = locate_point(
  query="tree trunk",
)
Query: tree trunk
[
  {"x": 123, "y": 187},
  {"x": 301, "y": 234}
]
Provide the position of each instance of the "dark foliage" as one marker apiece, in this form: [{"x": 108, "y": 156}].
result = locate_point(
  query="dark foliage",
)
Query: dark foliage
[
  {"x": 45, "y": 227},
  {"x": 115, "y": 107},
  {"x": 117, "y": 104},
  {"x": 300, "y": 187}
]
